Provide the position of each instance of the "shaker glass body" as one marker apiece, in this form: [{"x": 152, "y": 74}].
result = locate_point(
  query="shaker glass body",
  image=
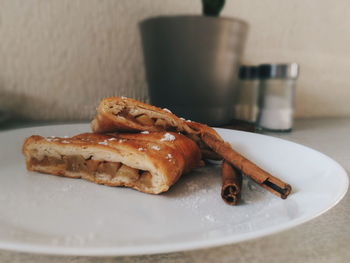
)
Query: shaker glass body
[
  {"x": 246, "y": 107},
  {"x": 276, "y": 104}
]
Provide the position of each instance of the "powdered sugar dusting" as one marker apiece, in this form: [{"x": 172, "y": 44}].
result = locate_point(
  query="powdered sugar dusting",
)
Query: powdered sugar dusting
[
  {"x": 204, "y": 187},
  {"x": 167, "y": 137},
  {"x": 67, "y": 188},
  {"x": 51, "y": 139},
  {"x": 64, "y": 141},
  {"x": 145, "y": 132},
  {"x": 71, "y": 240},
  {"x": 155, "y": 147},
  {"x": 112, "y": 139},
  {"x": 210, "y": 218},
  {"x": 103, "y": 143},
  {"x": 121, "y": 140},
  {"x": 169, "y": 156},
  {"x": 200, "y": 194},
  {"x": 141, "y": 149},
  {"x": 167, "y": 110}
]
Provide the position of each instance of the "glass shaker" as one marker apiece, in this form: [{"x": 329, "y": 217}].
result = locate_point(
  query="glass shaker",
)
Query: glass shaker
[
  {"x": 246, "y": 106},
  {"x": 277, "y": 85}
]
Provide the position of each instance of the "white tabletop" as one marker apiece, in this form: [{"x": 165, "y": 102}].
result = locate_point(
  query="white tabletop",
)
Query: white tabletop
[{"x": 324, "y": 239}]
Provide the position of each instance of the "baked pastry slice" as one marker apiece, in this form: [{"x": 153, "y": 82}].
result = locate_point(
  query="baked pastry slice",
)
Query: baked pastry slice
[
  {"x": 121, "y": 114},
  {"x": 127, "y": 115},
  {"x": 148, "y": 162}
]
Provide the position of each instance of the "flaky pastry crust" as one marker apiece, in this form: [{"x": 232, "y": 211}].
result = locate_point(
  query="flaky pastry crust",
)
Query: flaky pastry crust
[
  {"x": 121, "y": 114},
  {"x": 148, "y": 162}
]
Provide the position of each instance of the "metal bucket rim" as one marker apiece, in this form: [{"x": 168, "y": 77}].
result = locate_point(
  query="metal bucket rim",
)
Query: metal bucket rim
[{"x": 194, "y": 18}]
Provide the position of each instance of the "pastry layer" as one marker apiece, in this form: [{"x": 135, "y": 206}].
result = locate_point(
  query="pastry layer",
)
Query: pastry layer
[
  {"x": 120, "y": 114},
  {"x": 150, "y": 163},
  {"x": 125, "y": 114}
]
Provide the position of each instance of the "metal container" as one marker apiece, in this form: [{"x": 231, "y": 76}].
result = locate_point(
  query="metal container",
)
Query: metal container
[
  {"x": 277, "y": 85},
  {"x": 192, "y": 64}
]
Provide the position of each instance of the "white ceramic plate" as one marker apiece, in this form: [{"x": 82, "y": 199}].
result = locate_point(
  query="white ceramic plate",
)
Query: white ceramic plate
[{"x": 48, "y": 214}]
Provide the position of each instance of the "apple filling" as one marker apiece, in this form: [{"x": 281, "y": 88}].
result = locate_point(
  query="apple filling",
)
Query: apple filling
[
  {"x": 111, "y": 173},
  {"x": 146, "y": 120}
]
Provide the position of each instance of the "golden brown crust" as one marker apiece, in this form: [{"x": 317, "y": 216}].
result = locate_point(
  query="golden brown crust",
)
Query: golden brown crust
[
  {"x": 166, "y": 155},
  {"x": 111, "y": 117}
]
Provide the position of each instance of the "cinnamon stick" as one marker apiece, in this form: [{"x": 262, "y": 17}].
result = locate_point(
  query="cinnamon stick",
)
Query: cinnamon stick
[
  {"x": 263, "y": 178},
  {"x": 231, "y": 183},
  {"x": 208, "y": 154}
]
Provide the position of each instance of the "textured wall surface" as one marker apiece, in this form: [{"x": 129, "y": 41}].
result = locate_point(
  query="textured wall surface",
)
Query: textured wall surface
[{"x": 58, "y": 58}]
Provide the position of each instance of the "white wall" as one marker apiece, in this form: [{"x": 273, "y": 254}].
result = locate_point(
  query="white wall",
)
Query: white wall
[{"x": 59, "y": 57}]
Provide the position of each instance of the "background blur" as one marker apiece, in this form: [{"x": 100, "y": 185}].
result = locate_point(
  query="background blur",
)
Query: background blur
[{"x": 59, "y": 58}]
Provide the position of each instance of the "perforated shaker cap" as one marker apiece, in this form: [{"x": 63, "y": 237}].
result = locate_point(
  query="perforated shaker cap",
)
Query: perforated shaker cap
[
  {"x": 248, "y": 72},
  {"x": 279, "y": 71}
]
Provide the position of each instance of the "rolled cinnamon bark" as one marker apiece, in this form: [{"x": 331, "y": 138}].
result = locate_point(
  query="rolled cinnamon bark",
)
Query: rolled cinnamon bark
[
  {"x": 263, "y": 178},
  {"x": 208, "y": 154},
  {"x": 231, "y": 183}
]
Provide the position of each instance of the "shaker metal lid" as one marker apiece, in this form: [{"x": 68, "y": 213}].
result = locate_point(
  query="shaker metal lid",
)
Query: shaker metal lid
[
  {"x": 279, "y": 71},
  {"x": 248, "y": 72}
]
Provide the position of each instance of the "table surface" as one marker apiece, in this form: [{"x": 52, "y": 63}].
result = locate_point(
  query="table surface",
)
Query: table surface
[{"x": 324, "y": 239}]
